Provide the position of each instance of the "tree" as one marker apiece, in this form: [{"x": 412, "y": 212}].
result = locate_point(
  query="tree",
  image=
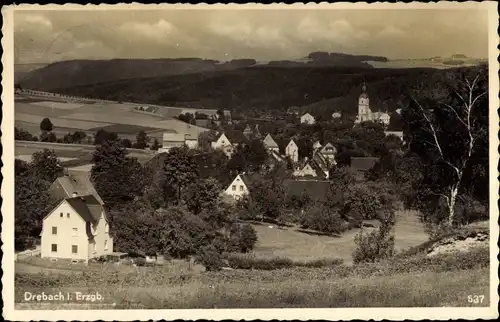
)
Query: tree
[
  {"x": 48, "y": 137},
  {"x": 202, "y": 195},
  {"x": 46, "y": 125},
  {"x": 102, "y": 135},
  {"x": 141, "y": 140},
  {"x": 23, "y": 135},
  {"x": 247, "y": 238},
  {"x": 126, "y": 143},
  {"x": 179, "y": 169},
  {"x": 117, "y": 178},
  {"x": 32, "y": 203},
  {"x": 156, "y": 145},
  {"x": 453, "y": 120},
  {"x": 46, "y": 165}
]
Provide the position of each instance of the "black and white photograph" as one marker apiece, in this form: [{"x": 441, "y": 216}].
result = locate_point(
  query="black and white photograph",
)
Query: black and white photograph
[{"x": 321, "y": 161}]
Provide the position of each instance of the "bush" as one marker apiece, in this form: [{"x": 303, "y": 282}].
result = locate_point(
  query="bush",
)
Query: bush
[
  {"x": 323, "y": 219},
  {"x": 140, "y": 261},
  {"x": 373, "y": 246},
  {"x": 240, "y": 261},
  {"x": 248, "y": 238},
  {"x": 209, "y": 257}
]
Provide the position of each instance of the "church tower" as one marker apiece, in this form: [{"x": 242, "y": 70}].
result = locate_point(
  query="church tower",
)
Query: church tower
[{"x": 364, "y": 112}]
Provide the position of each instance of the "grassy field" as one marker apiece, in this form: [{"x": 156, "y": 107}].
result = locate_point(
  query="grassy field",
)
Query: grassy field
[
  {"x": 164, "y": 288},
  {"x": 416, "y": 281},
  {"x": 290, "y": 243}
]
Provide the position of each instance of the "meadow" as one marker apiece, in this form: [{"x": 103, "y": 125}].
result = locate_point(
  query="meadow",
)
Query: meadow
[
  {"x": 120, "y": 118},
  {"x": 415, "y": 280}
]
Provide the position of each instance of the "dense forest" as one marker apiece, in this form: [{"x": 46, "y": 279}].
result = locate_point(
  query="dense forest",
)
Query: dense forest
[
  {"x": 264, "y": 88},
  {"x": 85, "y": 72}
]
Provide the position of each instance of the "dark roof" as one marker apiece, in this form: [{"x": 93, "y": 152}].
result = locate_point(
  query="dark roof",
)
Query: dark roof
[
  {"x": 235, "y": 136},
  {"x": 316, "y": 167},
  {"x": 363, "y": 163},
  {"x": 247, "y": 180},
  {"x": 88, "y": 207},
  {"x": 316, "y": 189},
  {"x": 76, "y": 182}
]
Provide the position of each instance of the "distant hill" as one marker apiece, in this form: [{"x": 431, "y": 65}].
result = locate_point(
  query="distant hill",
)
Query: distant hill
[
  {"x": 85, "y": 72},
  {"x": 262, "y": 88},
  {"x": 22, "y": 70}
]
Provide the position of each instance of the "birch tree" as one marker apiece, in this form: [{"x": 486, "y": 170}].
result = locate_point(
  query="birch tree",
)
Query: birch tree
[{"x": 452, "y": 120}]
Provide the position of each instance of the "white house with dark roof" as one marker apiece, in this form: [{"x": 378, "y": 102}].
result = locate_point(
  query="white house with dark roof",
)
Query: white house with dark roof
[
  {"x": 239, "y": 187},
  {"x": 224, "y": 144},
  {"x": 73, "y": 183},
  {"x": 76, "y": 229}
]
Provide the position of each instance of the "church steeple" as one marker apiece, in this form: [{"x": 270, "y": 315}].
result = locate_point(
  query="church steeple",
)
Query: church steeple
[{"x": 364, "y": 94}]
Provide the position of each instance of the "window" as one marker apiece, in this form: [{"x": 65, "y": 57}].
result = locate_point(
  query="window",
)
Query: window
[
  {"x": 54, "y": 230},
  {"x": 234, "y": 187},
  {"x": 105, "y": 245},
  {"x": 75, "y": 232},
  {"x": 61, "y": 215},
  {"x": 241, "y": 188},
  {"x": 106, "y": 228},
  {"x": 54, "y": 248},
  {"x": 74, "y": 249},
  {"x": 67, "y": 215}
]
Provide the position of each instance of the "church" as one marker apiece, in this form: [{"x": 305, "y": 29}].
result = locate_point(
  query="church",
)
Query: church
[{"x": 365, "y": 114}]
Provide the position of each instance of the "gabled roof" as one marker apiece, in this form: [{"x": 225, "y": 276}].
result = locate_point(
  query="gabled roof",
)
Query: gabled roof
[
  {"x": 75, "y": 182},
  {"x": 328, "y": 146},
  {"x": 363, "y": 163},
  {"x": 269, "y": 142},
  {"x": 235, "y": 137},
  {"x": 247, "y": 180},
  {"x": 88, "y": 207},
  {"x": 320, "y": 172},
  {"x": 307, "y": 113}
]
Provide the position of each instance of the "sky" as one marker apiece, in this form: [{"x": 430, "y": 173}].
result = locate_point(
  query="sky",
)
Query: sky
[{"x": 48, "y": 36}]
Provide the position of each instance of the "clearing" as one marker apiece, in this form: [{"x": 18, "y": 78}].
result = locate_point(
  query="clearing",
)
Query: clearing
[{"x": 296, "y": 245}]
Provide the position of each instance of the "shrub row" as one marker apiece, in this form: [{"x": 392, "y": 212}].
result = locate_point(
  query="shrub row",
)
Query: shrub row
[{"x": 238, "y": 261}]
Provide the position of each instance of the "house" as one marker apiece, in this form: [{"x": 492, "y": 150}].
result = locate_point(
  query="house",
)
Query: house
[
  {"x": 71, "y": 183},
  {"x": 316, "y": 145},
  {"x": 76, "y": 229},
  {"x": 310, "y": 168},
  {"x": 307, "y": 119},
  {"x": 222, "y": 143},
  {"x": 361, "y": 165},
  {"x": 191, "y": 141},
  {"x": 292, "y": 151},
  {"x": 328, "y": 151},
  {"x": 239, "y": 187},
  {"x": 172, "y": 140},
  {"x": 252, "y": 133},
  {"x": 228, "y": 141},
  {"x": 270, "y": 144}
]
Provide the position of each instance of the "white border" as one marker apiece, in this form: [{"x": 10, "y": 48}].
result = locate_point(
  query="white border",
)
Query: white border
[{"x": 7, "y": 190}]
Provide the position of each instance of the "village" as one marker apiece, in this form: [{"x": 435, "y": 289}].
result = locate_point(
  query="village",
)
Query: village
[{"x": 78, "y": 198}]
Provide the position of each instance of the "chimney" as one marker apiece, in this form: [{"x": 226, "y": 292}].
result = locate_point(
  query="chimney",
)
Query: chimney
[
  {"x": 65, "y": 172},
  {"x": 75, "y": 194}
]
